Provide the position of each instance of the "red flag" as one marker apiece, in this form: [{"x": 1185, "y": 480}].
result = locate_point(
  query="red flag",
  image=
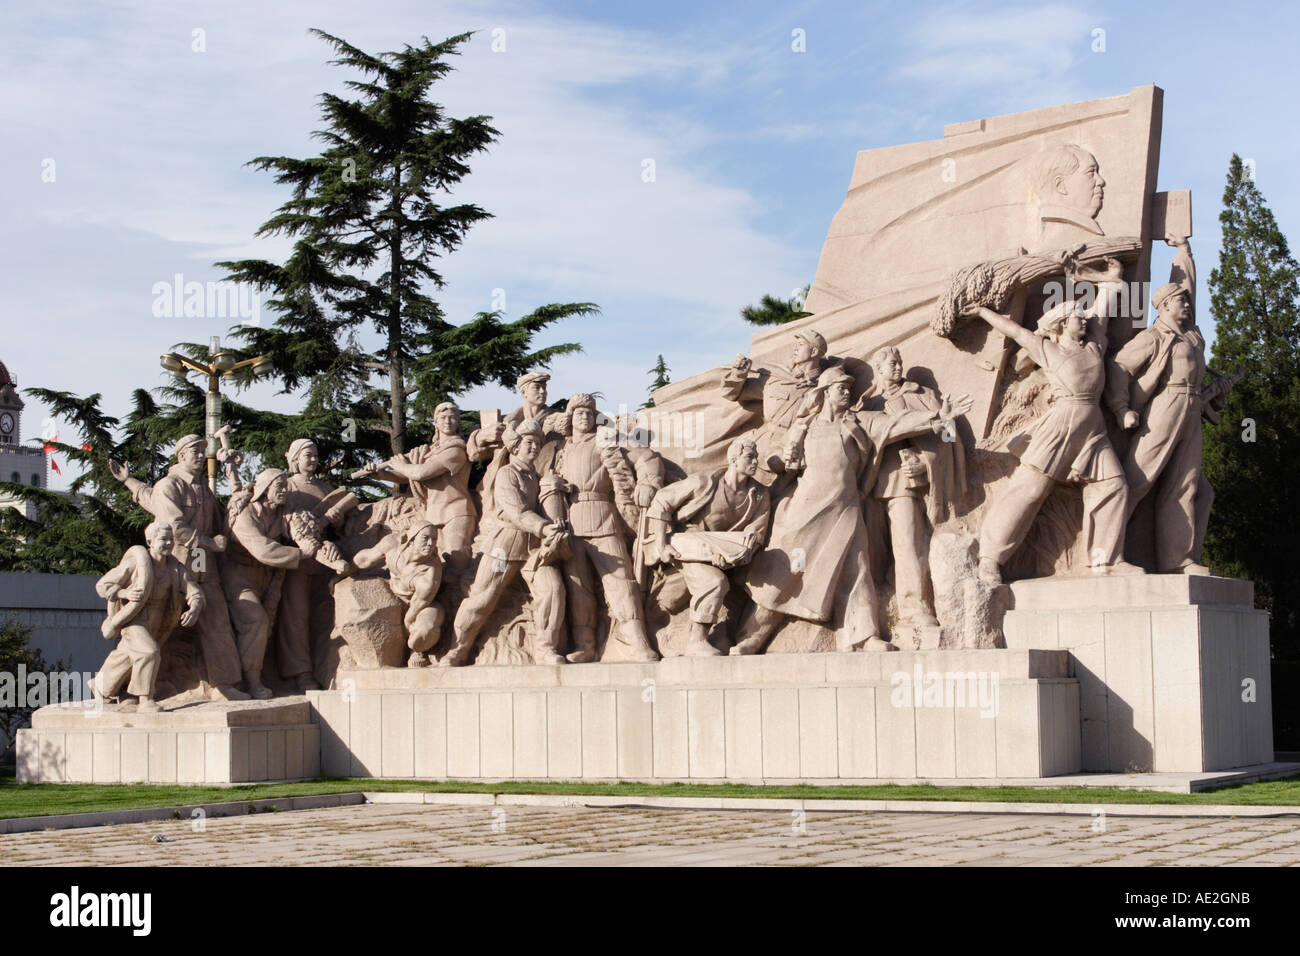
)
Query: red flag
[{"x": 49, "y": 450}]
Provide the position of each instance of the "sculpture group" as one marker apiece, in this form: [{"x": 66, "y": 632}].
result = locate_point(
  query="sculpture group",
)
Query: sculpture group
[{"x": 579, "y": 545}]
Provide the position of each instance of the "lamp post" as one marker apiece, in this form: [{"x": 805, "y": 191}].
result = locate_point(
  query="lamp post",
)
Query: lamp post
[{"x": 219, "y": 363}]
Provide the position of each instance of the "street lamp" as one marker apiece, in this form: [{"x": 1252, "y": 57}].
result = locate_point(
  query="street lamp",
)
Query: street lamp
[{"x": 220, "y": 363}]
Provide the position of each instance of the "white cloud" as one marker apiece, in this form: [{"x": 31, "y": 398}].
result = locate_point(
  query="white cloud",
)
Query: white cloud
[{"x": 1013, "y": 49}]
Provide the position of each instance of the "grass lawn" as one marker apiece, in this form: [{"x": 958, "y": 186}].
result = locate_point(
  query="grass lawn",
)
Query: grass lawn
[{"x": 25, "y": 800}]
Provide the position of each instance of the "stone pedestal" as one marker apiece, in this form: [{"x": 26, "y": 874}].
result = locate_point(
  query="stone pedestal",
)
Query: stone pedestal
[
  {"x": 1173, "y": 670},
  {"x": 203, "y": 743},
  {"x": 817, "y": 718}
]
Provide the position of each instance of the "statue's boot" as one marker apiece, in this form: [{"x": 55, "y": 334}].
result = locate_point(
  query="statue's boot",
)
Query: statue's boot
[
  {"x": 584, "y": 646},
  {"x": 256, "y": 689},
  {"x": 698, "y": 645},
  {"x": 750, "y": 645},
  {"x": 307, "y": 682},
  {"x": 147, "y": 705},
  {"x": 631, "y": 634},
  {"x": 457, "y": 656},
  {"x": 226, "y": 692},
  {"x": 877, "y": 643}
]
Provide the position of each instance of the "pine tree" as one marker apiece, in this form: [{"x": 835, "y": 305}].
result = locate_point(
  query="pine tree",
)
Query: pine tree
[
  {"x": 368, "y": 223},
  {"x": 1250, "y": 457},
  {"x": 660, "y": 373},
  {"x": 773, "y": 311}
]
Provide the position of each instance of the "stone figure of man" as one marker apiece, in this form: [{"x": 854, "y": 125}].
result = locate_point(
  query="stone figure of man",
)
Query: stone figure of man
[
  {"x": 1070, "y": 190},
  {"x": 1155, "y": 387},
  {"x": 587, "y": 471},
  {"x": 438, "y": 474},
  {"x": 519, "y": 545},
  {"x": 306, "y": 605},
  {"x": 410, "y": 555},
  {"x": 260, "y": 552},
  {"x": 485, "y": 444},
  {"x": 920, "y": 480},
  {"x": 720, "y": 520},
  {"x": 779, "y": 391},
  {"x": 149, "y": 594},
  {"x": 183, "y": 500}
]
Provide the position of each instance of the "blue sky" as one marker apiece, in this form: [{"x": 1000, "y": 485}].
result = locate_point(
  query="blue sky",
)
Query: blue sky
[{"x": 752, "y": 142}]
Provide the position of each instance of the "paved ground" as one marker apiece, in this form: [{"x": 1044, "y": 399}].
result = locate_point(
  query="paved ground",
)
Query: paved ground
[{"x": 569, "y": 836}]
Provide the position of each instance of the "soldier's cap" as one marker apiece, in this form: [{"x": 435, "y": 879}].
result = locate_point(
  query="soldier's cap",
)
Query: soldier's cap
[
  {"x": 185, "y": 441},
  {"x": 446, "y": 407},
  {"x": 1162, "y": 294},
  {"x": 531, "y": 377},
  {"x": 814, "y": 339}
]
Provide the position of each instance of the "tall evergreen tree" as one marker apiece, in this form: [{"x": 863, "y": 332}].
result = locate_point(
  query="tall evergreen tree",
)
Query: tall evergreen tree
[
  {"x": 660, "y": 379},
  {"x": 369, "y": 223},
  {"x": 1250, "y": 457},
  {"x": 773, "y": 311}
]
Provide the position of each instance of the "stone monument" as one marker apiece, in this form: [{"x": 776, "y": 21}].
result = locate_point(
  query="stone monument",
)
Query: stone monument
[{"x": 973, "y": 454}]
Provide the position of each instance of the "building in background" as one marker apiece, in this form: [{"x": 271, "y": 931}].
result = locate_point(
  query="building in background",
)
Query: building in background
[{"x": 22, "y": 465}]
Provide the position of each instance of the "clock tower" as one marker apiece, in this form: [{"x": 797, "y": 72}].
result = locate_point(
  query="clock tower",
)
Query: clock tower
[
  {"x": 11, "y": 408},
  {"x": 19, "y": 464}
]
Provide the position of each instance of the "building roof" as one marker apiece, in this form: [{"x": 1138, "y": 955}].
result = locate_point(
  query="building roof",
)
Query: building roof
[{"x": 5, "y": 377}]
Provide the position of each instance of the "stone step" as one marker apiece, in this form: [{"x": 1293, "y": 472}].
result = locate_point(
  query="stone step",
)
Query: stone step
[
  {"x": 759, "y": 670},
  {"x": 1128, "y": 592},
  {"x": 192, "y": 715}
]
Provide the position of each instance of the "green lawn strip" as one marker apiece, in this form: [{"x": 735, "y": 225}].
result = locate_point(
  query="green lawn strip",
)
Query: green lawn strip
[{"x": 25, "y": 800}]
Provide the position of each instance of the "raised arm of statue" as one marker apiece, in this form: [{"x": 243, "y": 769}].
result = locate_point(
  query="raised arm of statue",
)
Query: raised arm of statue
[
  {"x": 141, "y": 493},
  {"x": 1108, "y": 281},
  {"x": 1027, "y": 340},
  {"x": 738, "y": 385},
  {"x": 445, "y": 461},
  {"x": 1183, "y": 269},
  {"x": 649, "y": 467}
]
